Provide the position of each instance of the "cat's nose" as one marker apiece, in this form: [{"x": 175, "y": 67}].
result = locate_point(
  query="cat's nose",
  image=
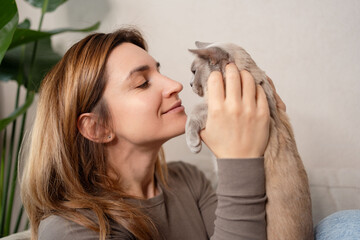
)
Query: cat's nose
[{"x": 191, "y": 84}]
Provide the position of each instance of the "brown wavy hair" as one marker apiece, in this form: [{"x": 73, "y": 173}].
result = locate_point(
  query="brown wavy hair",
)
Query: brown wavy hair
[{"x": 65, "y": 173}]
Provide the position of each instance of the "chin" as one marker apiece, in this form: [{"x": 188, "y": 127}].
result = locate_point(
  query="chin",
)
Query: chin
[
  {"x": 180, "y": 126},
  {"x": 180, "y": 133},
  {"x": 176, "y": 128},
  {"x": 175, "y": 131}
]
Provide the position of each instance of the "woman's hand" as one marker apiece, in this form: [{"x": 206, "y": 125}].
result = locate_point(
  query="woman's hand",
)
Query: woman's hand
[{"x": 238, "y": 120}]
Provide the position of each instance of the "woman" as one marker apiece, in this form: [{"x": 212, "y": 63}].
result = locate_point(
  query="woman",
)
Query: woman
[{"x": 96, "y": 168}]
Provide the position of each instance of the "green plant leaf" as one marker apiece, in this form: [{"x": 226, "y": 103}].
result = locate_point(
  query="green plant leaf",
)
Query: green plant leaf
[
  {"x": 9, "y": 18},
  {"x": 25, "y": 24},
  {"x": 45, "y": 59},
  {"x": 22, "y": 35},
  {"x": 93, "y": 27},
  {"x": 51, "y": 4},
  {"x": 17, "y": 112},
  {"x": 10, "y": 67}
]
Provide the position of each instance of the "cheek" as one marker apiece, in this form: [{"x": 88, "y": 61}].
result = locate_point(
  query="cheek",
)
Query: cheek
[
  {"x": 135, "y": 118},
  {"x": 200, "y": 81},
  {"x": 196, "y": 83},
  {"x": 199, "y": 85},
  {"x": 137, "y": 111}
]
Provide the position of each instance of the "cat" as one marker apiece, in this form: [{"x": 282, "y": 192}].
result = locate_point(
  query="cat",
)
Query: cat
[{"x": 288, "y": 208}]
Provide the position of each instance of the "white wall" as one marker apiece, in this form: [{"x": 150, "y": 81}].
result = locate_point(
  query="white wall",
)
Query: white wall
[{"x": 310, "y": 49}]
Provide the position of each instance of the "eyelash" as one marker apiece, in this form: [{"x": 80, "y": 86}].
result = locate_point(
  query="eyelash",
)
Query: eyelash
[{"x": 145, "y": 85}]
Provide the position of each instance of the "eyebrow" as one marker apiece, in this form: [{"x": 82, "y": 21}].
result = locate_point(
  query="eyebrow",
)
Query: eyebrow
[{"x": 141, "y": 68}]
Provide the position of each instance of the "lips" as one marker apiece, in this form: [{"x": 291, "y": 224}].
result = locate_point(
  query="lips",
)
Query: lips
[{"x": 175, "y": 106}]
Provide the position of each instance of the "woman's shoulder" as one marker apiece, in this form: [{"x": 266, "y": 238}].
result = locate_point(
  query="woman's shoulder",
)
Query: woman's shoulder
[
  {"x": 183, "y": 169},
  {"x": 181, "y": 173},
  {"x": 57, "y": 228}
]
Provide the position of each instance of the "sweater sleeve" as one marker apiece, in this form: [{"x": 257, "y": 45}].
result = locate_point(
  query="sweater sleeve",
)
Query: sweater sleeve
[{"x": 240, "y": 212}]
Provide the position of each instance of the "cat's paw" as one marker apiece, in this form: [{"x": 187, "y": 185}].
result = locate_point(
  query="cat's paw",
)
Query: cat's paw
[
  {"x": 195, "y": 149},
  {"x": 193, "y": 141}
]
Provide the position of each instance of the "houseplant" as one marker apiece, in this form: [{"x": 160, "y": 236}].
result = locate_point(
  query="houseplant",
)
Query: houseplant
[{"x": 25, "y": 57}]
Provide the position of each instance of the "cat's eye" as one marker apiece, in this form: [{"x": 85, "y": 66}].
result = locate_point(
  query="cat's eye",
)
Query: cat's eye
[{"x": 146, "y": 84}]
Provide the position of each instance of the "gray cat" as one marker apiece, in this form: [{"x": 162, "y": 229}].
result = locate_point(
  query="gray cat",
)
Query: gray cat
[{"x": 288, "y": 209}]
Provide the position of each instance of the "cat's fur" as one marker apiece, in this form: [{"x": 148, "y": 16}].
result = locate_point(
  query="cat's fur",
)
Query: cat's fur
[{"x": 288, "y": 209}]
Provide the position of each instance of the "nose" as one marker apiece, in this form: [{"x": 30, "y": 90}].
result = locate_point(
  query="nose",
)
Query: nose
[
  {"x": 171, "y": 87},
  {"x": 192, "y": 81}
]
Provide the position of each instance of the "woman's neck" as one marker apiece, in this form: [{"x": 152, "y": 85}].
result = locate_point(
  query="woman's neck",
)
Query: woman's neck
[{"x": 136, "y": 167}]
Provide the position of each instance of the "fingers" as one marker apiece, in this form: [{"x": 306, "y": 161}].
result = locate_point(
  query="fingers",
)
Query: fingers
[
  {"x": 215, "y": 90},
  {"x": 233, "y": 83},
  {"x": 262, "y": 103},
  {"x": 239, "y": 86},
  {"x": 248, "y": 88},
  {"x": 233, "y": 128}
]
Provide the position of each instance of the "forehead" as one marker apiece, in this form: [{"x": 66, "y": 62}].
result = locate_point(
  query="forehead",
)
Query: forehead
[
  {"x": 198, "y": 62},
  {"x": 125, "y": 58}
]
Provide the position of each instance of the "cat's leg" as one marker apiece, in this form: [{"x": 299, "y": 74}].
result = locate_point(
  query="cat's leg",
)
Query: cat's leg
[
  {"x": 288, "y": 210},
  {"x": 195, "y": 123}
]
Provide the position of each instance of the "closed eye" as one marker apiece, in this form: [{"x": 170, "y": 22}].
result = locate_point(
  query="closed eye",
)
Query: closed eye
[
  {"x": 193, "y": 68},
  {"x": 145, "y": 85}
]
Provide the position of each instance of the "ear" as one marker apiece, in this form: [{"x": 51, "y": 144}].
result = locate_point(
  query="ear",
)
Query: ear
[
  {"x": 90, "y": 127},
  {"x": 201, "y": 44},
  {"x": 212, "y": 54}
]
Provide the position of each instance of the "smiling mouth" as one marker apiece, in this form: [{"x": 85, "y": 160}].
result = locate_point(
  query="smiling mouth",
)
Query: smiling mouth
[{"x": 177, "y": 107}]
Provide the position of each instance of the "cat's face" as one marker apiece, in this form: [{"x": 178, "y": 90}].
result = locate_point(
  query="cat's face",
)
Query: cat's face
[{"x": 208, "y": 58}]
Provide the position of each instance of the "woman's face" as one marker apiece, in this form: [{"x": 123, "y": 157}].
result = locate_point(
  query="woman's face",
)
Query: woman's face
[{"x": 144, "y": 104}]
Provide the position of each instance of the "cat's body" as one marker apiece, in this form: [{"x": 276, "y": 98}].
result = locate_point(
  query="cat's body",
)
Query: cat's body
[{"x": 288, "y": 210}]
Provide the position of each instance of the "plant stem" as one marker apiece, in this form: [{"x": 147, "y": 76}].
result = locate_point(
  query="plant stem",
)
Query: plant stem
[
  {"x": 15, "y": 173},
  {"x": 2, "y": 174},
  {"x": 2, "y": 165},
  {"x": 10, "y": 158},
  {"x": 6, "y": 229},
  {"x": 18, "y": 220},
  {"x": 12, "y": 141},
  {"x": 27, "y": 224},
  {"x": 9, "y": 167},
  {"x": 43, "y": 11}
]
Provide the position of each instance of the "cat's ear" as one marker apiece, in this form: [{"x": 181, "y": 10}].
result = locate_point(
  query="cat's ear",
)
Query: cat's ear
[
  {"x": 212, "y": 54},
  {"x": 201, "y": 44}
]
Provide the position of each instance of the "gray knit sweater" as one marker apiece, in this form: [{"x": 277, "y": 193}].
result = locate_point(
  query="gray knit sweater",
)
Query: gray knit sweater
[{"x": 190, "y": 209}]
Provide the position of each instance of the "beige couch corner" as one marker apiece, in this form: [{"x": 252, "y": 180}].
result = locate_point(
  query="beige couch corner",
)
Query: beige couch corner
[{"x": 19, "y": 236}]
